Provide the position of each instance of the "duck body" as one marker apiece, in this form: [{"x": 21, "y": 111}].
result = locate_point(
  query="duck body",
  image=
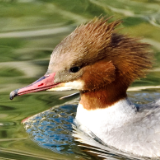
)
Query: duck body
[
  {"x": 125, "y": 126},
  {"x": 101, "y": 64}
]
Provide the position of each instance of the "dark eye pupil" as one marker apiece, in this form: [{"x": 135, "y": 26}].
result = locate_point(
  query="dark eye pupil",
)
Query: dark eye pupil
[{"x": 74, "y": 69}]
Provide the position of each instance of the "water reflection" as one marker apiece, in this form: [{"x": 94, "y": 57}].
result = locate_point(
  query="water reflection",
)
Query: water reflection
[{"x": 52, "y": 129}]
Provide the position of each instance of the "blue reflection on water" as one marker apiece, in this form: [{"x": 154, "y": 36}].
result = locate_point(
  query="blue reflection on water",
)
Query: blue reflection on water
[{"x": 52, "y": 129}]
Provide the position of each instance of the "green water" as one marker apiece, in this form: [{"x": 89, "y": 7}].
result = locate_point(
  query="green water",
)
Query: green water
[{"x": 29, "y": 30}]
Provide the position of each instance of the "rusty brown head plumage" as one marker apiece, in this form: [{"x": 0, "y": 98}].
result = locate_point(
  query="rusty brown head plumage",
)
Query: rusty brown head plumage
[
  {"x": 98, "y": 41},
  {"x": 106, "y": 62}
]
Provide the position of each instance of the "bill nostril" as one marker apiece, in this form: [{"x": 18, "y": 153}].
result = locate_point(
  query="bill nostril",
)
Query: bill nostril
[{"x": 40, "y": 85}]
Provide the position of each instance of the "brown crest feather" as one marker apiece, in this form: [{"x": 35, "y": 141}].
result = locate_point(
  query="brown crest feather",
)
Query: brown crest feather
[{"x": 98, "y": 40}]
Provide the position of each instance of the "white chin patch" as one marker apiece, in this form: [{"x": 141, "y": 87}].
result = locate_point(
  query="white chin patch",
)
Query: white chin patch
[{"x": 78, "y": 85}]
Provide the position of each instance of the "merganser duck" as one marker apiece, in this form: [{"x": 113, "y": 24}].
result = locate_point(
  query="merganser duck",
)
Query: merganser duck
[{"x": 101, "y": 64}]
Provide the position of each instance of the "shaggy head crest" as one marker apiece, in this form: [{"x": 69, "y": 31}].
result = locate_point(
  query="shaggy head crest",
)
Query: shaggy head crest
[{"x": 97, "y": 40}]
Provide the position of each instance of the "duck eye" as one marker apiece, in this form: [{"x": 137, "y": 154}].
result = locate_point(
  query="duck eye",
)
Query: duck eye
[{"x": 74, "y": 69}]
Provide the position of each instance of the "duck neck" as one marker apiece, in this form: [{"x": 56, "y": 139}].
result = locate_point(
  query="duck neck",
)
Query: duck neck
[{"x": 102, "y": 98}]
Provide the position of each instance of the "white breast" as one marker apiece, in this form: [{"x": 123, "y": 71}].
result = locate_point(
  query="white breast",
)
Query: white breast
[
  {"x": 104, "y": 120},
  {"x": 124, "y": 128}
]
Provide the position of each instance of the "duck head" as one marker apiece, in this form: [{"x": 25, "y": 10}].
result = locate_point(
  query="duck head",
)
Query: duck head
[{"x": 95, "y": 60}]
